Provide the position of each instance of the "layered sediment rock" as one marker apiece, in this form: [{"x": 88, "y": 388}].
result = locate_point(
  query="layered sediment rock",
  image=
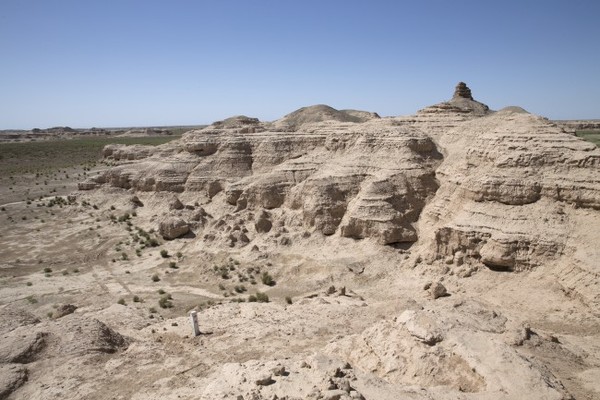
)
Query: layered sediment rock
[
  {"x": 365, "y": 180},
  {"x": 462, "y": 91},
  {"x": 498, "y": 188}
]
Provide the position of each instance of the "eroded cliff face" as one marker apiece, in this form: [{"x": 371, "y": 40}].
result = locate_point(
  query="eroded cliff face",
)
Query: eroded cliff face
[
  {"x": 368, "y": 180},
  {"x": 501, "y": 194}
]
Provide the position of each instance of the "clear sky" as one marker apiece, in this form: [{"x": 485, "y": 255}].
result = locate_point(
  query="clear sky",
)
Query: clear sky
[{"x": 143, "y": 63}]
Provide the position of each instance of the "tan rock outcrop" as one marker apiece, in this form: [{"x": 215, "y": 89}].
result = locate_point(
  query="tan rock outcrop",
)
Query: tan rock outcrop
[{"x": 173, "y": 227}]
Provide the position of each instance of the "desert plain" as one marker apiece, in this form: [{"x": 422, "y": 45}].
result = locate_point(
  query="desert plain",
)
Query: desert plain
[{"x": 331, "y": 254}]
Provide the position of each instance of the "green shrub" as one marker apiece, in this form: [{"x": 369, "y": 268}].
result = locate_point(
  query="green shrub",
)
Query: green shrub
[
  {"x": 121, "y": 301},
  {"x": 164, "y": 302},
  {"x": 240, "y": 289},
  {"x": 164, "y": 253},
  {"x": 173, "y": 265},
  {"x": 161, "y": 291},
  {"x": 262, "y": 297},
  {"x": 155, "y": 278},
  {"x": 288, "y": 300},
  {"x": 47, "y": 270},
  {"x": 267, "y": 279},
  {"x": 137, "y": 299},
  {"x": 259, "y": 297}
]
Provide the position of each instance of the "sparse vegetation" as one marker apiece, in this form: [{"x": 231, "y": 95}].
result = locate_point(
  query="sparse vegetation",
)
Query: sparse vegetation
[
  {"x": 155, "y": 278},
  {"x": 121, "y": 301},
  {"x": 259, "y": 297},
  {"x": 165, "y": 302},
  {"x": 267, "y": 279},
  {"x": 240, "y": 289},
  {"x": 590, "y": 136},
  {"x": 164, "y": 253},
  {"x": 48, "y": 155}
]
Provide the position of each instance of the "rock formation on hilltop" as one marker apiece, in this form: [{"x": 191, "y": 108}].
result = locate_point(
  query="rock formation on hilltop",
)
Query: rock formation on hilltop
[{"x": 462, "y": 91}]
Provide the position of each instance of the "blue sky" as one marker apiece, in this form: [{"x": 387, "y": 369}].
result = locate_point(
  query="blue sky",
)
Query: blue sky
[{"x": 144, "y": 63}]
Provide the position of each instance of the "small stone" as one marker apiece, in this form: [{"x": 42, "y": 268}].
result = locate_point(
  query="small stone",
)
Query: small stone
[
  {"x": 437, "y": 290},
  {"x": 265, "y": 381},
  {"x": 279, "y": 371},
  {"x": 175, "y": 204},
  {"x": 459, "y": 258},
  {"x": 136, "y": 201},
  {"x": 263, "y": 223},
  {"x": 64, "y": 309},
  {"x": 335, "y": 394},
  {"x": 355, "y": 395},
  {"x": 344, "y": 385},
  {"x": 521, "y": 335}
]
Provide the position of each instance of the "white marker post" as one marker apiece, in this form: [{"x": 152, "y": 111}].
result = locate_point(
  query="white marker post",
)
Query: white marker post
[{"x": 194, "y": 321}]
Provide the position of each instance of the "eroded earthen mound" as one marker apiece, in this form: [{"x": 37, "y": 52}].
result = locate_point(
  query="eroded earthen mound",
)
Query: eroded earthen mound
[{"x": 456, "y": 191}]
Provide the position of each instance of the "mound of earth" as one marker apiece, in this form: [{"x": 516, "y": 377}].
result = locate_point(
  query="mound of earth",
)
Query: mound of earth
[{"x": 319, "y": 113}]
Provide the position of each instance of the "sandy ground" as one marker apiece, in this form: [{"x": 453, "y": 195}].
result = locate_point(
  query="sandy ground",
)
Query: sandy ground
[{"x": 73, "y": 254}]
